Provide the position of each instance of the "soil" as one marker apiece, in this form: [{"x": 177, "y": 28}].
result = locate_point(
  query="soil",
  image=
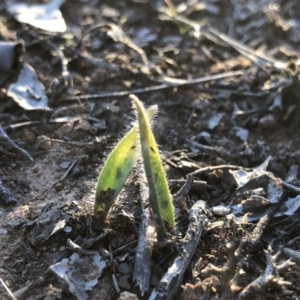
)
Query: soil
[{"x": 231, "y": 121}]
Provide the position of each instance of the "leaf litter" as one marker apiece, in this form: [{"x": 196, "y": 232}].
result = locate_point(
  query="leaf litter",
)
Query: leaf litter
[{"x": 225, "y": 76}]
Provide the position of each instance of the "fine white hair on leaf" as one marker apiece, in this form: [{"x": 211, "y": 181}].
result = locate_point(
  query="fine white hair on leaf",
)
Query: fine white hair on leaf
[{"x": 116, "y": 169}]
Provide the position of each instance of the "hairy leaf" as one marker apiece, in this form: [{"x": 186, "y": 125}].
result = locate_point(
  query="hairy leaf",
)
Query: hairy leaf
[
  {"x": 160, "y": 196},
  {"x": 117, "y": 168}
]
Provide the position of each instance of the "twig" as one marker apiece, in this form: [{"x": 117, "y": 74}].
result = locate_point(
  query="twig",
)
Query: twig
[
  {"x": 291, "y": 242},
  {"x": 76, "y": 144},
  {"x": 171, "y": 281},
  {"x": 291, "y": 187},
  {"x": 180, "y": 200},
  {"x": 254, "y": 239},
  {"x": 218, "y": 150},
  {"x": 257, "y": 233},
  {"x": 220, "y": 167},
  {"x": 232, "y": 92},
  {"x": 269, "y": 279},
  {"x": 292, "y": 175},
  {"x": 116, "y": 285},
  {"x": 124, "y": 247},
  {"x": 142, "y": 265},
  {"x": 259, "y": 59},
  {"x": 119, "y": 36},
  {"x": 69, "y": 169},
  {"x": 67, "y": 77},
  {"x": 8, "y": 290},
  {"x": 291, "y": 179},
  {"x": 29, "y": 124},
  {"x": 185, "y": 189},
  {"x": 7, "y": 153},
  {"x": 22, "y": 293},
  {"x": 293, "y": 254},
  {"x": 76, "y": 248},
  {"x": 198, "y": 185},
  {"x": 226, "y": 272},
  {"x": 13, "y": 144},
  {"x": 153, "y": 88}
]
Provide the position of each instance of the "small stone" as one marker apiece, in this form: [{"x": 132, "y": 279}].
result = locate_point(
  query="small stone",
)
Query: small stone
[
  {"x": 214, "y": 252},
  {"x": 123, "y": 282},
  {"x": 3, "y": 231},
  {"x": 228, "y": 106},
  {"x": 84, "y": 125},
  {"x": 65, "y": 164},
  {"x": 122, "y": 257},
  {"x": 204, "y": 138},
  {"x": 58, "y": 187},
  {"x": 29, "y": 136},
  {"x": 124, "y": 268},
  {"x": 44, "y": 142},
  {"x": 11, "y": 184},
  {"x": 128, "y": 296},
  {"x": 267, "y": 122},
  {"x": 64, "y": 130},
  {"x": 35, "y": 169},
  {"x": 101, "y": 125}
]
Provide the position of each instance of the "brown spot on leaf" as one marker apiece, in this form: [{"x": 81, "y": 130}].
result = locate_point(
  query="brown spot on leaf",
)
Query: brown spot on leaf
[
  {"x": 164, "y": 204},
  {"x": 105, "y": 197},
  {"x": 119, "y": 173}
]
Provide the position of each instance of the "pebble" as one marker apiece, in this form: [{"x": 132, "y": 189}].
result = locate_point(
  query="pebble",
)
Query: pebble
[
  {"x": 3, "y": 231},
  {"x": 65, "y": 164},
  {"x": 84, "y": 125},
  {"x": 35, "y": 169},
  {"x": 220, "y": 210},
  {"x": 123, "y": 282},
  {"x": 44, "y": 142},
  {"x": 128, "y": 296},
  {"x": 267, "y": 122},
  {"x": 64, "y": 130},
  {"x": 11, "y": 184},
  {"x": 214, "y": 252},
  {"x": 228, "y": 106},
  {"x": 29, "y": 136},
  {"x": 124, "y": 268},
  {"x": 122, "y": 257}
]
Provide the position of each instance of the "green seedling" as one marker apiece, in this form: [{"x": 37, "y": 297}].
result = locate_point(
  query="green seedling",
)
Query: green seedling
[
  {"x": 160, "y": 196},
  {"x": 117, "y": 168}
]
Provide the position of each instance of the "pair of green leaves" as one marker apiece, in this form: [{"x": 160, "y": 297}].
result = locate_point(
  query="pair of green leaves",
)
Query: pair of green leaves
[{"x": 122, "y": 160}]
